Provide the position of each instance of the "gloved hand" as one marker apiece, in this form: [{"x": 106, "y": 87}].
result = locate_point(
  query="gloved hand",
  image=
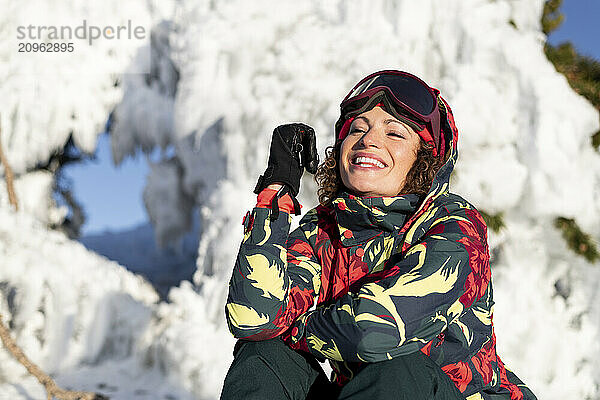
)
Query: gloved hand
[{"x": 293, "y": 148}]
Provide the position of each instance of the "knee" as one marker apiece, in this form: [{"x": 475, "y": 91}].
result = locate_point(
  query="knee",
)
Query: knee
[
  {"x": 268, "y": 369},
  {"x": 252, "y": 375}
]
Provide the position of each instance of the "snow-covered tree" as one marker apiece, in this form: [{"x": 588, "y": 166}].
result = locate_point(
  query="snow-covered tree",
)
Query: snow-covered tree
[{"x": 224, "y": 73}]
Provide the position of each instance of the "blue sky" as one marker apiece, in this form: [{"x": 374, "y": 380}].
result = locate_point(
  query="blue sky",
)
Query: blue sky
[
  {"x": 112, "y": 196},
  {"x": 580, "y": 26}
]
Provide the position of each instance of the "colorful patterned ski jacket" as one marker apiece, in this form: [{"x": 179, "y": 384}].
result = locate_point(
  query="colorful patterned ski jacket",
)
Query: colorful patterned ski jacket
[{"x": 390, "y": 276}]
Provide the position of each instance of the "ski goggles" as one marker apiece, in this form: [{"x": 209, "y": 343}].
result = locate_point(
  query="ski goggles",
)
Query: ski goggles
[{"x": 404, "y": 95}]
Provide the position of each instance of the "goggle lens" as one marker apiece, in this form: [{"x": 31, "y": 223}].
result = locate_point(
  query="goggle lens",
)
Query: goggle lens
[{"x": 408, "y": 90}]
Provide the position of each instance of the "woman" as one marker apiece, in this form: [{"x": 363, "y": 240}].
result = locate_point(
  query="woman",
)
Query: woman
[{"x": 396, "y": 266}]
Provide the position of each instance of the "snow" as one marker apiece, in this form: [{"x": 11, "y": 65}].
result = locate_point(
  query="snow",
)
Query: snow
[
  {"x": 135, "y": 248},
  {"x": 222, "y": 76},
  {"x": 76, "y": 314},
  {"x": 547, "y": 341},
  {"x": 34, "y": 192}
]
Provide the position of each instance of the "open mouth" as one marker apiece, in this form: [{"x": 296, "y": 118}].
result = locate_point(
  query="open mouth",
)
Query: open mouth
[{"x": 367, "y": 162}]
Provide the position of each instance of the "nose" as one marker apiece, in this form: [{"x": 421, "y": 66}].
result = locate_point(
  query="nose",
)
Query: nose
[{"x": 371, "y": 138}]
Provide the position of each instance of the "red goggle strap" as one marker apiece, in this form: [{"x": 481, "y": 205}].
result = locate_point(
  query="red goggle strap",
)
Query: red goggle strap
[{"x": 345, "y": 128}]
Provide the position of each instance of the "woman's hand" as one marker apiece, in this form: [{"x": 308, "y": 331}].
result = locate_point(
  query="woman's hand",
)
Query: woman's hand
[{"x": 293, "y": 148}]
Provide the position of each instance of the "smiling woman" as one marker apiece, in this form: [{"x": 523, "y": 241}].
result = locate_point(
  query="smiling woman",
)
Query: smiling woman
[
  {"x": 377, "y": 154},
  {"x": 397, "y": 265},
  {"x": 416, "y": 180}
]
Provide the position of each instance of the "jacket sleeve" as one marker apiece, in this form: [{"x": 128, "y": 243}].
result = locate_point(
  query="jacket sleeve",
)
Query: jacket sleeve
[
  {"x": 411, "y": 302},
  {"x": 275, "y": 276}
]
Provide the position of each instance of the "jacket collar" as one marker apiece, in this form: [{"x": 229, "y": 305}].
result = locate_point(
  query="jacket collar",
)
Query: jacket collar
[{"x": 362, "y": 218}]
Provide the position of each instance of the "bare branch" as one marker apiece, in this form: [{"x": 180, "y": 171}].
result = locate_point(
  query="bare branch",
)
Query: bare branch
[
  {"x": 8, "y": 174},
  {"x": 52, "y": 389}
]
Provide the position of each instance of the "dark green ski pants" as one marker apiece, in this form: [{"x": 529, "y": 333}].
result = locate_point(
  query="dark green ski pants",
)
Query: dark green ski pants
[{"x": 270, "y": 370}]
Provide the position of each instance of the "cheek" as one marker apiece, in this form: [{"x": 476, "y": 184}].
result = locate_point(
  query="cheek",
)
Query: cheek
[
  {"x": 412, "y": 156},
  {"x": 405, "y": 158},
  {"x": 343, "y": 164},
  {"x": 343, "y": 168},
  {"x": 345, "y": 148},
  {"x": 344, "y": 151}
]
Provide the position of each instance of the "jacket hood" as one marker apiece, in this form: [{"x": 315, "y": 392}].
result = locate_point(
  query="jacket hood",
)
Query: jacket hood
[
  {"x": 422, "y": 219},
  {"x": 373, "y": 214},
  {"x": 450, "y": 133},
  {"x": 361, "y": 218}
]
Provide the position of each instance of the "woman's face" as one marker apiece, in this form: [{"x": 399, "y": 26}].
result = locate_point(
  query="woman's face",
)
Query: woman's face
[{"x": 377, "y": 154}]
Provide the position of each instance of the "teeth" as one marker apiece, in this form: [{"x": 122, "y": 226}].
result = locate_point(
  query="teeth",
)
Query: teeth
[{"x": 368, "y": 160}]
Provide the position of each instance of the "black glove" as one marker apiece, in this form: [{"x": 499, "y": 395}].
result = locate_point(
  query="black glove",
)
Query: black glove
[{"x": 293, "y": 148}]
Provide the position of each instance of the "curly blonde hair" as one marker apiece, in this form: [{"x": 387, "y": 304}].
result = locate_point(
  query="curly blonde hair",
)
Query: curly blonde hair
[{"x": 418, "y": 180}]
